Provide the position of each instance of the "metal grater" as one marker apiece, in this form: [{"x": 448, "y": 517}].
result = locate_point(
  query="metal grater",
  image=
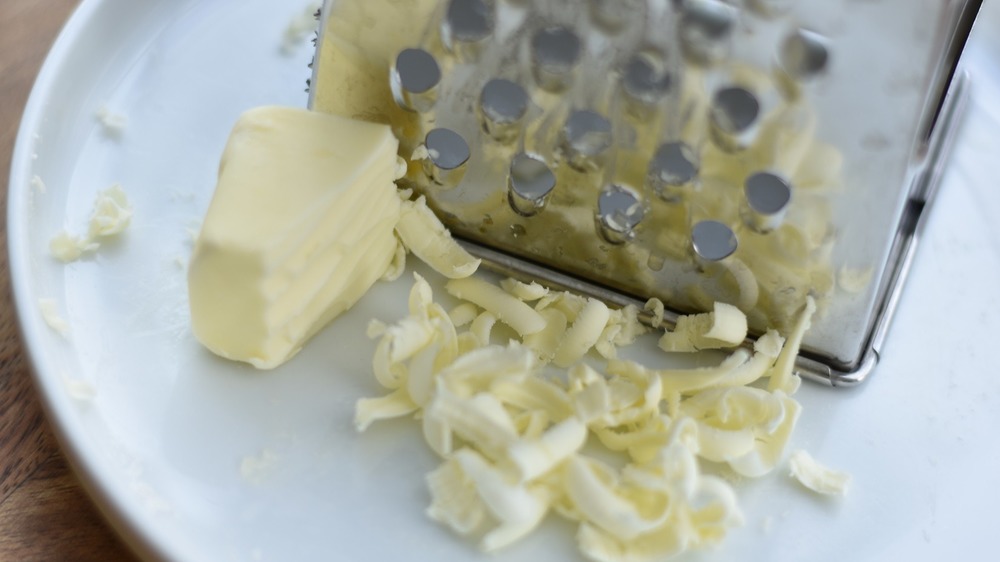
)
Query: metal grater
[{"x": 747, "y": 151}]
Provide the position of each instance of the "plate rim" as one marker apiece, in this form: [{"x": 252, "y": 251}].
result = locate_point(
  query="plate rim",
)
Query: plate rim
[{"x": 142, "y": 539}]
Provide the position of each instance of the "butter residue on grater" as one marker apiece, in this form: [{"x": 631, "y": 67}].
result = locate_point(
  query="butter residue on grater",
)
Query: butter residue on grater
[{"x": 689, "y": 150}]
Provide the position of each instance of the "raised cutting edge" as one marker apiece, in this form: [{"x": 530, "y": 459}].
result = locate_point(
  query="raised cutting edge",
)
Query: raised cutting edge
[{"x": 904, "y": 249}]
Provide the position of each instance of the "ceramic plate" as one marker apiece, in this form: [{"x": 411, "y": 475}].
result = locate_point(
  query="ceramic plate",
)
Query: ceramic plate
[{"x": 195, "y": 458}]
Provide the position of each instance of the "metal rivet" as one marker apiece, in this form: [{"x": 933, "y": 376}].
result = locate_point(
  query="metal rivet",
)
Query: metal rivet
[
  {"x": 529, "y": 184},
  {"x": 447, "y": 155},
  {"x": 733, "y": 118},
  {"x": 503, "y": 105},
  {"x": 705, "y": 30},
  {"x": 673, "y": 170},
  {"x": 767, "y": 197},
  {"x": 555, "y": 53},
  {"x": 712, "y": 241},
  {"x": 619, "y": 212},
  {"x": 646, "y": 79},
  {"x": 414, "y": 80},
  {"x": 466, "y": 26}
]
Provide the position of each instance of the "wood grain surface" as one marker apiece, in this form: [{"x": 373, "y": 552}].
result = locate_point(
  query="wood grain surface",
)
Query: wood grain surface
[{"x": 44, "y": 513}]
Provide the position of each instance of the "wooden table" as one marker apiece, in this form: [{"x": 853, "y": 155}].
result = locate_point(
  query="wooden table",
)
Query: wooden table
[{"x": 44, "y": 513}]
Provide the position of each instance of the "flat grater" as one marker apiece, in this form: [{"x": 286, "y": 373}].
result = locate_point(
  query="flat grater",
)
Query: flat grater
[{"x": 746, "y": 151}]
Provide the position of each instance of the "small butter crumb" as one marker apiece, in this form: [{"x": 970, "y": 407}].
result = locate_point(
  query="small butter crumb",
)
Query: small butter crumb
[
  {"x": 67, "y": 248},
  {"x": 113, "y": 123},
  {"x": 854, "y": 281},
  {"x": 50, "y": 312},
  {"x": 419, "y": 153},
  {"x": 299, "y": 28},
  {"x": 401, "y": 167},
  {"x": 655, "y": 307},
  {"x": 398, "y": 264},
  {"x": 79, "y": 389},
  {"x": 817, "y": 477},
  {"x": 38, "y": 184},
  {"x": 256, "y": 468},
  {"x": 111, "y": 215}
]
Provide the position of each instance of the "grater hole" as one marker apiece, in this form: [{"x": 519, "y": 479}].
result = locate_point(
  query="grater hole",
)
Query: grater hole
[
  {"x": 804, "y": 54},
  {"x": 771, "y": 8},
  {"x": 673, "y": 169},
  {"x": 502, "y": 104},
  {"x": 467, "y": 23},
  {"x": 555, "y": 53},
  {"x": 611, "y": 16},
  {"x": 585, "y": 136},
  {"x": 712, "y": 241},
  {"x": 529, "y": 182},
  {"x": 733, "y": 116},
  {"x": 767, "y": 197},
  {"x": 447, "y": 155},
  {"x": 414, "y": 80},
  {"x": 705, "y": 30},
  {"x": 619, "y": 212},
  {"x": 646, "y": 78}
]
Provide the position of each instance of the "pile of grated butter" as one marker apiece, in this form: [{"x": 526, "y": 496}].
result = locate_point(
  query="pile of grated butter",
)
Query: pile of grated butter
[
  {"x": 519, "y": 389},
  {"x": 524, "y": 427}
]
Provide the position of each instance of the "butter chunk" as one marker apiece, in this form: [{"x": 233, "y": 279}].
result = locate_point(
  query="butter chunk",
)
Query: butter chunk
[{"x": 300, "y": 227}]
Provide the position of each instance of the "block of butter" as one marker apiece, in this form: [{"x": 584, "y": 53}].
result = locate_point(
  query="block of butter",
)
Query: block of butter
[{"x": 300, "y": 227}]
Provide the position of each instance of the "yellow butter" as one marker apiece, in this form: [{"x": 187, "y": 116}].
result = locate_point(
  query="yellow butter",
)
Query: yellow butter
[
  {"x": 816, "y": 476},
  {"x": 725, "y": 326},
  {"x": 300, "y": 226}
]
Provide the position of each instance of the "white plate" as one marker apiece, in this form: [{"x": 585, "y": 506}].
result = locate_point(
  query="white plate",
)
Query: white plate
[{"x": 162, "y": 443}]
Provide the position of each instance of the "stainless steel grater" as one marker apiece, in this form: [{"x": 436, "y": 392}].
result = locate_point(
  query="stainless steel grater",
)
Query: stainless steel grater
[{"x": 748, "y": 151}]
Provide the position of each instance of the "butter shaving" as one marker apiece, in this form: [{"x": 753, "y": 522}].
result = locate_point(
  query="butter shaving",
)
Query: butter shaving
[
  {"x": 782, "y": 374},
  {"x": 509, "y": 309},
  {"x": 656, "y": 308},
  {"x": 725, "y": 326},
  {"x": 583, "y": 334},
  {"x": 423, "y": 234},
  {"x": 817, "y": 477},
  {"x": 512, "y": 439},
  {"x": 527, "y": 292}
]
